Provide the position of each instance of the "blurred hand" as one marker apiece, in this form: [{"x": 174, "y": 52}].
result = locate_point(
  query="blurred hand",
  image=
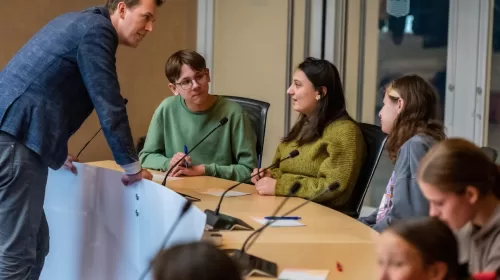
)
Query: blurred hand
[
  {"x": 68, "y": 164},
  {"x": 262, "y": 174},
  {"x": 130, "y": 179},
  {"x": 176, "y": 158},
  {"x": 266, "y": 186},
  {"x": 197, "y": 170}
]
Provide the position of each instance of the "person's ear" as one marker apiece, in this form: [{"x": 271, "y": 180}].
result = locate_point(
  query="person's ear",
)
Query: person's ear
[
  {"x": 323, "y": 91},
  {"x": 437, "y": 271},
  {"x": 208, "y": 75},
  {"x": 471, "y": 194},
  {"x": 120, "y": 8},
  {"x": 173, "y": 88},
  {"x": 401, "y": 104}
]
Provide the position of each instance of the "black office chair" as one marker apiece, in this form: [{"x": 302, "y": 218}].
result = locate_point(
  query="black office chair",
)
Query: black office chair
[
  {"x": 140, "y": 144},
  {"x": 490, "y": 152},
  {"x": 257, "y": 113},
  {"x": 375, "y": 142}
]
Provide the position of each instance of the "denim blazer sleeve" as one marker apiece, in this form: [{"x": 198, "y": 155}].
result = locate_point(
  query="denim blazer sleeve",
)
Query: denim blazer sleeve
[{"x": 96, "y": 61}]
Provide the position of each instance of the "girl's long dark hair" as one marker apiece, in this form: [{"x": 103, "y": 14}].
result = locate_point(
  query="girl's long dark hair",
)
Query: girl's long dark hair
[{"x": 331, "y": 106}]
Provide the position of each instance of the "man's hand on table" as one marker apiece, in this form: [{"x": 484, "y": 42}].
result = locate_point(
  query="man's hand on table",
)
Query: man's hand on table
[{"x": 130, "y": 179}]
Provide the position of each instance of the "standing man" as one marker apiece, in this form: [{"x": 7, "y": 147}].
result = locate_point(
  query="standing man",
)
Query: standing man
[{"x": 47, "y": 91}]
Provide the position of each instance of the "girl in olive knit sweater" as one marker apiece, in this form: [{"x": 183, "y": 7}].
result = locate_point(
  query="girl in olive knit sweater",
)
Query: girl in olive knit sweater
[{"x": 330, "y": 144}]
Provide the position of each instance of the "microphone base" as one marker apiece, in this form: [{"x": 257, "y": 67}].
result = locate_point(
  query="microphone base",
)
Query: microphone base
[
  {"x": 224, "y": 222},
  {"x": 252, "y": 265}
]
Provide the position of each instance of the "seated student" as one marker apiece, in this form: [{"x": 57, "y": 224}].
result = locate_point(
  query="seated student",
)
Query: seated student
[
  {"x": 182, "y": 120},
  {"x": 410, "y": 118},
  {"x": 420, "y": 249},
  {"x": 463, "y": 188},
  {"x": 194, "y": 261},
  {"x": 330, "y": 144}
]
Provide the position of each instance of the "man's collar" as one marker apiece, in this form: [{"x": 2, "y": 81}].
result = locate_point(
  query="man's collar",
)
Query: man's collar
[{"x": 99, "y": 10}]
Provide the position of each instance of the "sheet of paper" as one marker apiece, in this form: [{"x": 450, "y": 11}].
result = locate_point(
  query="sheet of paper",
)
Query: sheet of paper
[
  {"x": 280, "y": 223},
  {"x": 218, "y": 192},
  {"x": 303, "y": 274},
  {"x": 101, "y": 229},
  {"x": 158, "y": 177}
]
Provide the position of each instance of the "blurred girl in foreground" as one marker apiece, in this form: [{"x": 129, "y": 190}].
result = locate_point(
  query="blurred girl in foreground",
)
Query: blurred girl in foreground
[{"x": 463, "y": 188}]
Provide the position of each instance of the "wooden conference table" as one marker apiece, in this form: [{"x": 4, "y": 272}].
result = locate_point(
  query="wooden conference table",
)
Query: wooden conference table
[{"x": 328, "y": 236}]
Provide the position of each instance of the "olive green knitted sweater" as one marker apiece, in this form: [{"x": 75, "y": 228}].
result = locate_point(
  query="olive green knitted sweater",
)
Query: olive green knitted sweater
[{"x": 337, "y": 156}]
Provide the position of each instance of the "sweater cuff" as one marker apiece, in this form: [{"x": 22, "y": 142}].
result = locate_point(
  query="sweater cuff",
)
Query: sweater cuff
[
  {"x": 210, "y": 170},
  {"x": 166, "y": 166},
  {"x": 132, "y": 168},
  {"x": 281, "y": 188},
  {"x": 275, "y": 173}
]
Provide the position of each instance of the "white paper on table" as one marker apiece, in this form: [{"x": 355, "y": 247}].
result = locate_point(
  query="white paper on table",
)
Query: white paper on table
[
  {"x": 159, "y": 177},
  {"x": 304, "y": 274},
  {"x": 218, "y": 192},
  {"x": 280, "y": 223},
  {"x": 101, "y": 229}
]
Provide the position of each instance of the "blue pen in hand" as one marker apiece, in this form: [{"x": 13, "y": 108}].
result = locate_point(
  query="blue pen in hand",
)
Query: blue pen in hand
[
  {"x": 282, "y": 218},
  {"x": 258, "y": 167},
  {"x": 185, "y": 152}
]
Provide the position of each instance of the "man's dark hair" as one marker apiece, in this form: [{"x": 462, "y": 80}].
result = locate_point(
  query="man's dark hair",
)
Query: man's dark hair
[
  {"x": 112, "y": 4},
  {"x": 183, "y": 57}
]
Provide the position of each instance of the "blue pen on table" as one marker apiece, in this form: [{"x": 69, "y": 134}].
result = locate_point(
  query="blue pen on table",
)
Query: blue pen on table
[
  {"x": 185, "y": 152},
  {"x": 282, "y": 218}
]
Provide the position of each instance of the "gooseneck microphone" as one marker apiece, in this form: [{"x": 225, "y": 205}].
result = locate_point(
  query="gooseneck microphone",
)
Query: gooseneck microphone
[
  {"x": 184, "y": 209},
  {"x": 216, "y": 220},
  {"x": 252, "y": 264},
  {"x": 125, "y": 101},
  {"x": 292, "y": 154},
  {"x": 257, "y": 233},
  {"x": 222, "y": 122}
]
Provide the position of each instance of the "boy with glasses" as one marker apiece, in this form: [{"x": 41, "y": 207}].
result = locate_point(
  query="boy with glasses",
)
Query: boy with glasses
[{"x": 183, "y": 119}]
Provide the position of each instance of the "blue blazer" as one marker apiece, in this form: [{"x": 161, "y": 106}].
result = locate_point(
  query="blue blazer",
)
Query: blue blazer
[{"x": 57, "y": 79}]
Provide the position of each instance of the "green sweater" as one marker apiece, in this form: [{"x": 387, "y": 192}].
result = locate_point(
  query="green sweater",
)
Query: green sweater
[
  {"x": 229, "y": 153},
  {"x": 337, "y": 156}
]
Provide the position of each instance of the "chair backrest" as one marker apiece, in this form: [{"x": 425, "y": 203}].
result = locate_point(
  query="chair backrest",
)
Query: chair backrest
[
  {"x": 257, "y": 113},
  {"x": 140, "y": 144},
  {"x": 375, "y": 142},
  {"x": 490, "y": 152}
]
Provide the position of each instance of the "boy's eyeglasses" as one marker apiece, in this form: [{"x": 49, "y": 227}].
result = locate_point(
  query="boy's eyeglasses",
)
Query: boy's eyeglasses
[{"x": 188, "y": 84}]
